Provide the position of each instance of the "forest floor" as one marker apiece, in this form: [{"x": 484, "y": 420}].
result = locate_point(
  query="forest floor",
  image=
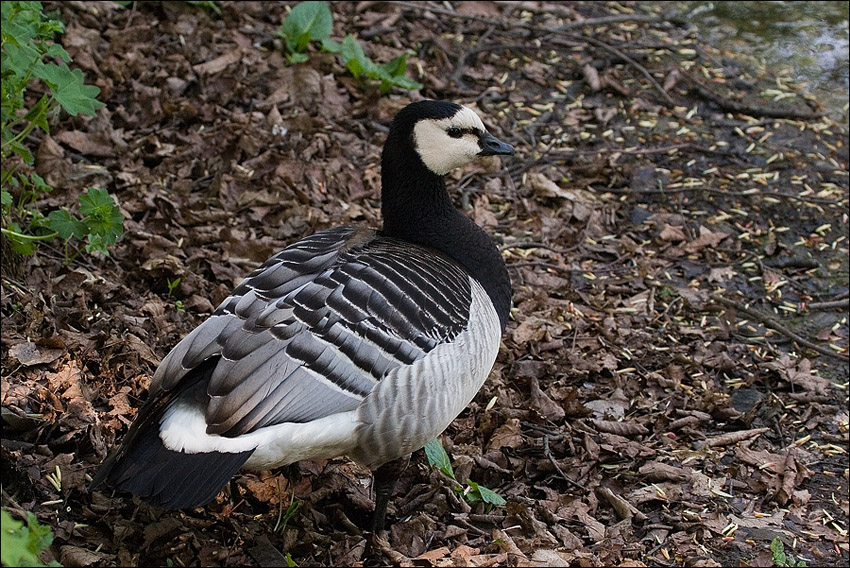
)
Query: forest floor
[{"x": 672, "y": 386}]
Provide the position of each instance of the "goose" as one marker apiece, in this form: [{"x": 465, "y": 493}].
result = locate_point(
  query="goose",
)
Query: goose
[{"x": 350, "y": 342}]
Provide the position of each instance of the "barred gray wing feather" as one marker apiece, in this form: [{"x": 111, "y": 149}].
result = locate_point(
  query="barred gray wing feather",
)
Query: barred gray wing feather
[{"x": 312, "y": 331}]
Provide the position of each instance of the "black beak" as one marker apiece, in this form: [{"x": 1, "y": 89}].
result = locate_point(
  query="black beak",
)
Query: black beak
[{"x": 492, "y": 146}]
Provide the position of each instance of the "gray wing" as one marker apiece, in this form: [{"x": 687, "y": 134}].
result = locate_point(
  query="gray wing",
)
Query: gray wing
[{"x": 312, "y": 331}]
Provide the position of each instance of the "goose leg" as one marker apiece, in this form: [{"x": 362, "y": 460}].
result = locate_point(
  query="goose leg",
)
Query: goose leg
[{"x": 385, "y": 478}]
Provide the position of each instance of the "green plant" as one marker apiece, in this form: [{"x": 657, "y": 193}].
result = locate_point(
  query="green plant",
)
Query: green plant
[
  {"x": 473, "y": 492},
  {"x": 27, "y": 54},
  {"x": 780, "y": 557},
  {"x": 178, "y": 304},
  {"x": 172, "y": 284},
  {"x": 284, "y": 517},
  {"x": 26, "y": 34},
  {"x": 313, "y": 21},
  {"x": 22, "y": 544},
  {"x": 99, "y": 222},
  {"x": 390, "y": 74},
  {"x": 308, "y": 21}
]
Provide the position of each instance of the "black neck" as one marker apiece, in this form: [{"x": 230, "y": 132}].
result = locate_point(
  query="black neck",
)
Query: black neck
[{"x": 416, "y": 207}]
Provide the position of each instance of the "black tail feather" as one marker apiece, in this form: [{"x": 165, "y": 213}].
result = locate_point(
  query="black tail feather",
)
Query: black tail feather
[
  {"x": 169, "y": 479},
  {"x": 163, "y": 477}
]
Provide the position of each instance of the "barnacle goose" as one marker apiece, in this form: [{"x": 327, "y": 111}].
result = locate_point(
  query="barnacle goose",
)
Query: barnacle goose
[{"x": 357, "y": 342}]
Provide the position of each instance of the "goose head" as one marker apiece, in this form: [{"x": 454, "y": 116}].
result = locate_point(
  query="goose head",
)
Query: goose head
[{"x": 444, "y": 135}]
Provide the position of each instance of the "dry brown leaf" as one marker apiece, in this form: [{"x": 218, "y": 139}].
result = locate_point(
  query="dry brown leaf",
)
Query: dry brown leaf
[
  {"x": 70, "y": 555},
  {"x": 625, "y": 429},
  {"x": 508, "y": 435},
  {"x": 485, "y": 9},
  {"x": 51, "y": 163},
  {"x": 219, "y": 64},
  {"x": 464, "y": 551},
  {"x": 671, "y": 233},
  {"x": 799, "y": 373},
  {"x": 482, "y": 214},
  {"x": 544, "y": 187},
  {"x": 120, "y": 403},
  {"x": 541, "y": 402},
  {"x": 734, "y": 437},
  {"x": 531, "y": 329},
  {"x": 29, "y": 354},
  {"x": 161, "y": 528},
  {"x": 761, "y": 459},
  {"x": 434, "y": 555},
  {"x": 721, "y": 274},
  {"x": 87, "y": 143},
  {"x": 662, "y": 471},
  {"x": 706, "y": 238}
]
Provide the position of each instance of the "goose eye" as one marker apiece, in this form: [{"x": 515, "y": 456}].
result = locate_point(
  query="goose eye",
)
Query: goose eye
[{"x": 455, "y": 132}]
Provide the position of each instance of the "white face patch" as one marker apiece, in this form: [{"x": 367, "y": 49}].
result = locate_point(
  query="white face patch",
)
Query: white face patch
[{"x": 442, "y": 153}]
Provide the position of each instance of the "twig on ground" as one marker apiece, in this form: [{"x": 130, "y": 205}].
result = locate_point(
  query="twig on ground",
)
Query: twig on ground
[
  {"x": 640, "y": 68},
  {"x": 751, "y": 110},
  {"x": 613, "y": 19},
  {"x": 776, "y": 326},
  {"x": 734, "y": 437},
  {"x": 749, "y": 193},
  {"x": 845, "y": 303},
  {"x": 554, "y": 463}
]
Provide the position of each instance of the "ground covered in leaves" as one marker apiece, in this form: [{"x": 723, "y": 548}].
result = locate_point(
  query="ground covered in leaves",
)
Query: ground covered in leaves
[{"x": 672, "y": 387}]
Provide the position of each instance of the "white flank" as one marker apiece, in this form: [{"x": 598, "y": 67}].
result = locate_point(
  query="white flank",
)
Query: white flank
[
  {"x": 440, "y": 152},
  {"x": 415, "y": 403},
  {"x": 183, "y": 428}
]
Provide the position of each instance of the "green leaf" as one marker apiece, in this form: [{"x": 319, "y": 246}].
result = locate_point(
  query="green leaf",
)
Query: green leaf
[
  {"x": 69, "y": 88},
  {"x": 102, "y": 217},
  {"x": 308, "y": 21},
  {"x": 67, "y": 225},
  {"x": 392, "y": 73},
  {"x": 22, "y": 246},
  {"x": 359, "y": 64},
  {"x": 38, "y": 113},
  {"x": 58, "y": 52},
  {"x": 22, "y": 544},
  {"x": 25, "y": 247},
  {"x": 18, "y": 149},
  {"x": 37, "y": 183},
  {"x": 395, "y": 67},
  {"x": 403, "y": 82},
  {"x": 6, "y": 199},
  {"x": 97, "y": 243},
  {"x": 777, "y": 548},
  {"x": 19, "y": 59},
  {"x": 14, "y": 537},
  {"x": 20, "y": 22},
  {"x": 298, "y": 58},
  {"x": 41, "y": 536},
  {"x": 438, "y": 457},
  {"x": 486, "y": 495},
  {"x": 331, "y": 46},
  {"x": 356, "y": 59},
  {"x": 407, "y": 83}
]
